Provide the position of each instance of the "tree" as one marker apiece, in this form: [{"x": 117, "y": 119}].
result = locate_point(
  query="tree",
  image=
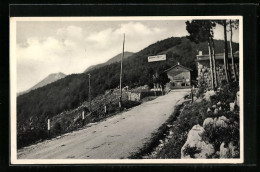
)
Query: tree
[
  {"x": 233, "y": 24},
  {"x": 201, "y": 31},
  {"x": 226, "y": 65},
  {"x": 214, "y": 61}
]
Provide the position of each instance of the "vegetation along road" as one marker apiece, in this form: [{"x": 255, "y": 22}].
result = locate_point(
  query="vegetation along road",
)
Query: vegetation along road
[{"x": 115, "y": 138}]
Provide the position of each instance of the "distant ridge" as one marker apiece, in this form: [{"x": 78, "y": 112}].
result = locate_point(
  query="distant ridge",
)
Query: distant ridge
[
  {"x": 49, "y": 79},
  {"x": 114, "y": 59}
]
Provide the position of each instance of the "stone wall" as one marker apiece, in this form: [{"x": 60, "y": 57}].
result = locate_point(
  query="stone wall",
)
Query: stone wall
[{"x": 204, "y": 74}]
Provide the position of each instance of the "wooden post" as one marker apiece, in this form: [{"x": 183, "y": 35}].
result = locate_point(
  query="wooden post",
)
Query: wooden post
[
  {"x": 225, "y": 66},
  {"x": 231, "y": 51},
  {"x": 211, "y": 66},
  {"x": 192, "y": 95},
  {"x": 83, "y": 118},
  {"x": 49, "y": 128},
  {"x": 119, "y": 103},
  {"x": 89, "y": 92},
  {"x": 121, "y": 73},
  {"x": 226, "y": 52}
]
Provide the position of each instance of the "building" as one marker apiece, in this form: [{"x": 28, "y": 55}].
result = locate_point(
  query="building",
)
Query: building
[
  {"x": 203, "y": 66},
  {"x": 179, "y": 76}
]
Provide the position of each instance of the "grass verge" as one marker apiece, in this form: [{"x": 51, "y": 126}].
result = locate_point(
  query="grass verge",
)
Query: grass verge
[{"x": 159, "y": 135}]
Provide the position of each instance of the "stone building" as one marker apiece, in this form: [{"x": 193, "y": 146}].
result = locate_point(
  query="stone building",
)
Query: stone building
[
  {"x": 203, "y": 66},
  {"x": 179, "y": 76}
]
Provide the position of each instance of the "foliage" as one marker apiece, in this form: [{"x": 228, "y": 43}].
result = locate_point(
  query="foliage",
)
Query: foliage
[
  {"x": 200, "y": 30},
  {"x": 196, "y": 113}
]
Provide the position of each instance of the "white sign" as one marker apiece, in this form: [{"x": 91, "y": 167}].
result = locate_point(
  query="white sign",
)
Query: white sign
[{"x": 157, "y": 58}]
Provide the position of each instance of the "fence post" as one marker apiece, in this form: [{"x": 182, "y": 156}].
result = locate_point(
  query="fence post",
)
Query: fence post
[
  {"x": 105, "y": 109},
  {"x": 49, "y": 128},
  {"x": 83, "y": 118},
  {"x": 120, "y": 101}
]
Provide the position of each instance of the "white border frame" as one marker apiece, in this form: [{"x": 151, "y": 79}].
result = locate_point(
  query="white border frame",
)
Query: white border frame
[{"x": 13, "y": 129}]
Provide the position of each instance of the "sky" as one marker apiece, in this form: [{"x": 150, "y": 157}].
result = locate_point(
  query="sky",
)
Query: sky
[{"x": 45, "y": 47}]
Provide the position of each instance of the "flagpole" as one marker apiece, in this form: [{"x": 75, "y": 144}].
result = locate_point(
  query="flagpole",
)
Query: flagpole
[{"x": 121, "y": 73}]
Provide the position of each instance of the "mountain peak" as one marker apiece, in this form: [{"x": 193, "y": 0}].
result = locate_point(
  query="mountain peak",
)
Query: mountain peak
[
  {"x": 114, "y": 59},
  {"x": 49, "y": 79}
]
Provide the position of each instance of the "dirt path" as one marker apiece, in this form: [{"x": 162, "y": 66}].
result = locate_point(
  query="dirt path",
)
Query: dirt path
[{"x": 115, "y": 138}]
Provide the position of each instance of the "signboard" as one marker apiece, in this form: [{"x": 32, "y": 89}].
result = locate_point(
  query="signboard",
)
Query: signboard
[{"x": 157, "y": 58}]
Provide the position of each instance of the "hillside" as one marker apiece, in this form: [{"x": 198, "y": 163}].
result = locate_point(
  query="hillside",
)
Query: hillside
[
  {"x": 114, "y": 59},
  {"x": 71, "y": 91},
  {"x": 49, "y": 79}
]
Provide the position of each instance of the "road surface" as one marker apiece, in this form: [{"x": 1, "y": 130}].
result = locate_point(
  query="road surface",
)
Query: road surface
[{"x": 117, "y": 137}]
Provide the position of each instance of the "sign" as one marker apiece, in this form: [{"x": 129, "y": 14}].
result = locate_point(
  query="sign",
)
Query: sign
[{"x": 157, "y": 58}]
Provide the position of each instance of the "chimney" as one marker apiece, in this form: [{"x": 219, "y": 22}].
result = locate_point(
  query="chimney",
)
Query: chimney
[{"x": 200, "y": 53}]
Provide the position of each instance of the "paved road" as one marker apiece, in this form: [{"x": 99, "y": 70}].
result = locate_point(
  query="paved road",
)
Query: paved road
[{"x": 115, "y": 138}]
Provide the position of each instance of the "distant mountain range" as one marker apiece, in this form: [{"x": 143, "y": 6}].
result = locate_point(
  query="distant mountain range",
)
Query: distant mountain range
[
  {"x": 49, "y": 79},
  {"x": 114, "y": 59}
]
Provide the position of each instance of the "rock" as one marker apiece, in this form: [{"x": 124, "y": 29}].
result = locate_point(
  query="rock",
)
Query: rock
[
  {"x": 232, "y": 106},
  {"x": 209, "y": 94},
  {"x": 224, "y": 118},
  {"x": 224, "y": 152},
  {"x": 214, "y": 106},
  {"x": 220, "y": 109},
  {"x": 221, "y": 122},
  {"x": 215, "y": 121},
  {"x": 171, "y": 133},
  {"x": 161, "y": 145},
  {"x": 194, "y": 146},
  {"x": 233, "y": 150},
  {"x": 208, "y": 124},
  {"x": 198, "y": 100},
  {"x": 208, "y": 110},
  {"x": 217, "y": 153},
  {"x": 216, "y": 111},
  {"x": 238, "y": 99},
  {"x": 219, "y": 103}
]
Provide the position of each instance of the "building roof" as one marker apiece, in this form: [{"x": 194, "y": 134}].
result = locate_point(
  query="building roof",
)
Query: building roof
[
  {"x": 218, "y": 56},
  {"x": 176, "y": 66}
]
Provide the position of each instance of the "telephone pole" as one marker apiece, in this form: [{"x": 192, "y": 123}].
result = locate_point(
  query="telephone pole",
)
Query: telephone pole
[
  {"x": 121, "y": 73},
  {"x": 89, "y": 92}
]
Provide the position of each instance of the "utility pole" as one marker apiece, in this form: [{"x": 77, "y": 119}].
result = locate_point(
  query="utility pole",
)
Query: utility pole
[
  {"x": 89, "y": 92},
  {"x": 121, "y": 73}
]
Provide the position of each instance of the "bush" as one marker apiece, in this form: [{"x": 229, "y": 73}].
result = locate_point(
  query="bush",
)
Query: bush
[{"x": 57, "y": 128}]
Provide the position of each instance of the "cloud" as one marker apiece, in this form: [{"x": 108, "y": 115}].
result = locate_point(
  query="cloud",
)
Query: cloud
[
  {"x": 137, "y": 34},
  {"x": 71, "y": 32},
  {"x": 70, "y": 50}
]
